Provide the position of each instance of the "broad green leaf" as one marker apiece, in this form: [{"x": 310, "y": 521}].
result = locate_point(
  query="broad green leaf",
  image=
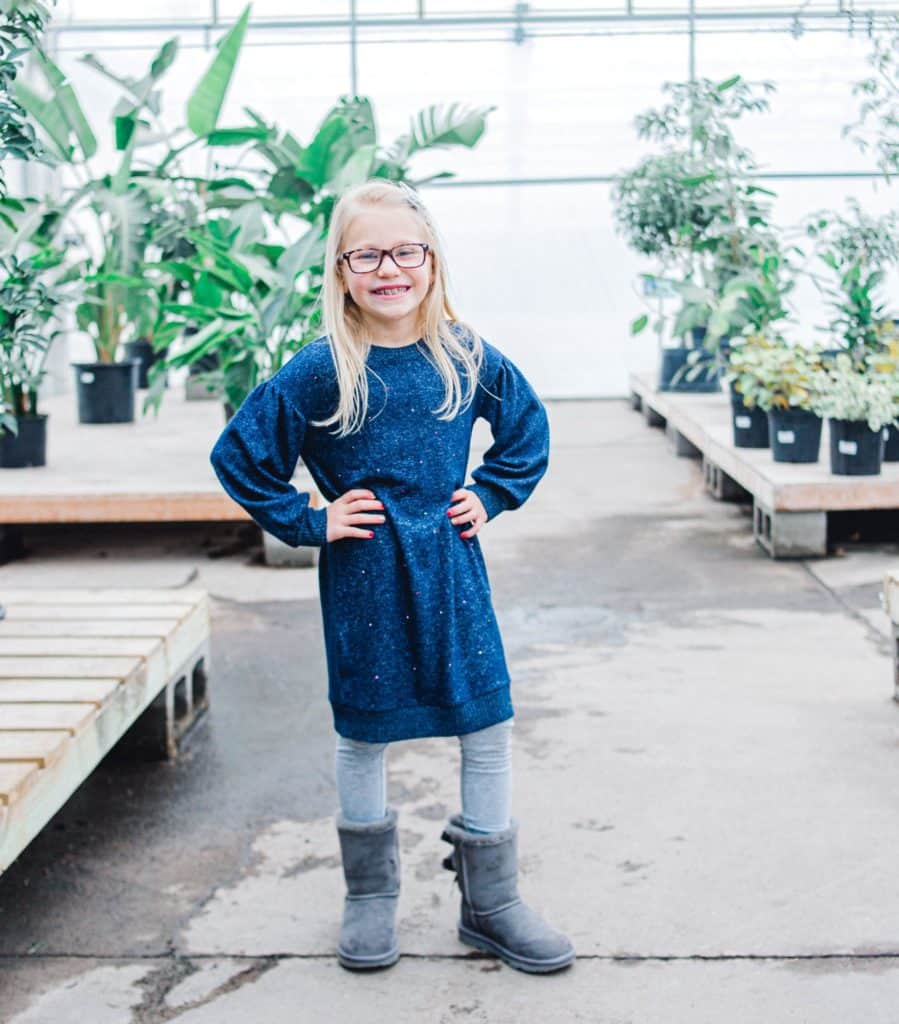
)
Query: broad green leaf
[
  {"x": 206, "y": 101},
  {"x": 49, "y": 116},
  {"x": 639, "y": 324},
  {"x": 64, "y": 96},
  {"x": 164, "y": 59},
  {"x": 355, "y": 171},
  {"x": 235, "y": 136},
  {"x": 438, "y": 126}
]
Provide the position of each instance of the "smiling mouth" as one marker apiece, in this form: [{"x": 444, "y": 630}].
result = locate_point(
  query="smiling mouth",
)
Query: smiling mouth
[{"x": 398, "y": 290}]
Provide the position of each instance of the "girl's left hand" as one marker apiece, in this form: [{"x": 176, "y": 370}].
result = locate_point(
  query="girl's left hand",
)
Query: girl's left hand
[{"x": 469, "y": 509}]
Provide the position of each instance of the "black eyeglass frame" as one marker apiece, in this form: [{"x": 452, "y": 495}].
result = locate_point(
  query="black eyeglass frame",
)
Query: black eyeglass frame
[{"x": 425, "y": 249}]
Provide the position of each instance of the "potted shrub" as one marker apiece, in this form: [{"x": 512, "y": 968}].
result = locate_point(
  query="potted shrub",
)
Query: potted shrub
[
  {"x": 727, "y": 217},
  {"x": 27, "y": 303},
  {"x": 858, "y": 405},
  {"x": 782, "y": 380},
  {"x": 884, "y": 363},
  {"x": 857, "y": 250}
]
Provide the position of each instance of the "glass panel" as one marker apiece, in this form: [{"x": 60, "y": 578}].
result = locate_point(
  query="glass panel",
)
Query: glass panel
[
  {"x": 555, "y": 115},
  {"x": 108, "y": 11},
  {"x": 565, "y": 323},
  {"x": 814, "y": 76},
  {"x": 744, "y": 6},
  {"x": 383, "y": 8},
  {"x": 263, "y": 9}
]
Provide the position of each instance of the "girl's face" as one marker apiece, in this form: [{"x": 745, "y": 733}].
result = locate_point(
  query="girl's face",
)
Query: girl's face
[{"x": 389, "y": 297}]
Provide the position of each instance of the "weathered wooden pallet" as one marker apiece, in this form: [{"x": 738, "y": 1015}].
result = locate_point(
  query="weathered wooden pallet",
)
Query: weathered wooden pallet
[
  {"x": 78, "y": 669},
  {"x": 790, "y": 502}
]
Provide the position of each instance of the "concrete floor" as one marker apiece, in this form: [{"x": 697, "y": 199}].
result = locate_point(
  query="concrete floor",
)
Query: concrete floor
[{"x": 705, "y": 744}]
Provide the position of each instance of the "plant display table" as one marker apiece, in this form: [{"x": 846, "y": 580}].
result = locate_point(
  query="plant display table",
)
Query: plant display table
[
  {"x": 790, "y": 500},
  {"x": 152, "y": 471},
  {"x": 77, "y": 669}
]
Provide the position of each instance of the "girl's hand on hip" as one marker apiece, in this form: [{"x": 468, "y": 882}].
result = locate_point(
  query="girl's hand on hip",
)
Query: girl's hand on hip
[
  {"x": 347, "y": 516},
  {"x": 468, "y": 509}
]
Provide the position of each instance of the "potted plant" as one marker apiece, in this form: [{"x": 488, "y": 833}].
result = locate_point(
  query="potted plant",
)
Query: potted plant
[
  {"x": 782, "y": 380},
  {"x": 858, "y": 405},
  {"x": 883, "y": 364},
  {"x": 714, "y": 244},
  {"x": 749, "y": 421},
  {"x": 115, "y": 214},
  {"x": 27, "y": 304},
  {"x": 857, "y": 249}
]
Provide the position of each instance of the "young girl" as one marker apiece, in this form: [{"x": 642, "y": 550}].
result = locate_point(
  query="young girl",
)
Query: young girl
[{"x": 381, "y": 411}]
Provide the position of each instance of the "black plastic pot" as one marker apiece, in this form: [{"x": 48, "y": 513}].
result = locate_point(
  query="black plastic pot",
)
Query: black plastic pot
[
  {"x": 750, "y": 425},
  {"x": 673, "y": 359},
  {"x": 28, "y": 447},
  {"x": 106, "y": 391},
  {"x": 795, "y": 435},
  {"x": 144, "y": 351},
  {"x": 855, "y": 449},
  {"x": 891, "y": 444}
]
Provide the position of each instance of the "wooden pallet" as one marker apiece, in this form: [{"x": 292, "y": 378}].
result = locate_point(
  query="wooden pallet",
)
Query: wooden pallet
[
  {"x": 790, "y": 501},
  {"x": 79, "y": 668}
]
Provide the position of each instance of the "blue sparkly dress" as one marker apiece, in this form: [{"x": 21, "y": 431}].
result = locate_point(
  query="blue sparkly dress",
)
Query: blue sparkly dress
[{"x": 411, "y": 639}]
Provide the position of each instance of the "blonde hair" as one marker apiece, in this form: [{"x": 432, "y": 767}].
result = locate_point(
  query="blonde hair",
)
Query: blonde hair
[{"x": 347, "y": 337}]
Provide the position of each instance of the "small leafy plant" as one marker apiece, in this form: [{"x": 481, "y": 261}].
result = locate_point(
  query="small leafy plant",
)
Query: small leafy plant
[
  {"x": 847, "y": 391},
  {"x": 27, "y": 303},
  {"x": 772, "y": 374}
]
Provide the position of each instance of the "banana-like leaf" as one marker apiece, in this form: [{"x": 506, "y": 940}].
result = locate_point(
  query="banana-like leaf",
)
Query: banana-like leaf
[
  {"x": 64, "y": 96},
  {"x": 439, "y": 126},
  {"x": 356, "y": 170},
  {"x": 128, "y": 214},
  {"x": 205, "y": 103},
  {"x": 49, "y": 116},
  {"x": 236, "y": 136}
]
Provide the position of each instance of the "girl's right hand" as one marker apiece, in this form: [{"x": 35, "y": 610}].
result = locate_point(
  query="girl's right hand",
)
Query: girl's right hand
[{"x": 347, "y": 510}]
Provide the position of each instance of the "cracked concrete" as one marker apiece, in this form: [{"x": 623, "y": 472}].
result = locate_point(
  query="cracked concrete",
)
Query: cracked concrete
[{"x": 704, "y": 750}]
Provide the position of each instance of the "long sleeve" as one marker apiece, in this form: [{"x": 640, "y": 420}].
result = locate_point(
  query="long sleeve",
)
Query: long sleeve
[
  {"x": 519, "y": 455},
  {"x": 255, "y": 458}
]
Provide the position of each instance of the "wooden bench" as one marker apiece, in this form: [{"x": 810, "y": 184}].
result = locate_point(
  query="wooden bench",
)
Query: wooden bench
[
  {"x": 78, "y": 668},
  {"x": 791, "y": 501}
]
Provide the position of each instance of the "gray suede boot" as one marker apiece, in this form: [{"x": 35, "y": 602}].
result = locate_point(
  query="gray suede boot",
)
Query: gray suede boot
[
  {"x": 494, "y": 919},
  {"x": 371, "y": 867}
]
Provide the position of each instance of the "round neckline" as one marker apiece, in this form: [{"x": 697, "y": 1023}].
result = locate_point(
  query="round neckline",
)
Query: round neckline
[{"x": 395, "y": 348}]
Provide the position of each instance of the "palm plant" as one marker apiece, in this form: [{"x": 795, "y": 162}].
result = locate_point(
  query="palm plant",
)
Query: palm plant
[
  {"x": 121, "y": 216},
  {"x": 254, "y": 298}
]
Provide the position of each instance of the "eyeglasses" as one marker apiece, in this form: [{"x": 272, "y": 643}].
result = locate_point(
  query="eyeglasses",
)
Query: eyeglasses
[{"x": 407, "y": 256}]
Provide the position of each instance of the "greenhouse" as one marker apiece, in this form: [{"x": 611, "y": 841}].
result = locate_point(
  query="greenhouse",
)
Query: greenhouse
[{"x": 298, "y": 298}]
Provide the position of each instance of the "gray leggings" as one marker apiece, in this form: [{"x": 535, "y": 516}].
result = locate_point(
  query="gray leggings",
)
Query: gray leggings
[{"x": 486, "y": 778}]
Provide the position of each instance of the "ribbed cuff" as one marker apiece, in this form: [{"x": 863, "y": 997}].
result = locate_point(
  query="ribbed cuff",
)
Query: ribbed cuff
[
  {"x": 313, "y": 530},
  {"x": 490, "y": 499}
]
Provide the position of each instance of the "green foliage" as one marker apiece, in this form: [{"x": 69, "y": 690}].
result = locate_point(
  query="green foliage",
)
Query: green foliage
[
  {"x": 696, "y": 208},
  {"x": 876, "y": 128},
  {"x": 22, "y": 23},
  {"x": 664, "y": 206},
  {"x": 848, "y": 391},
  {"x": 769, "y": 373},
  {"x": 27, "y": 303},
  {"x": 205, "y": 103},
  {"x": 856, "y": 249}
]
